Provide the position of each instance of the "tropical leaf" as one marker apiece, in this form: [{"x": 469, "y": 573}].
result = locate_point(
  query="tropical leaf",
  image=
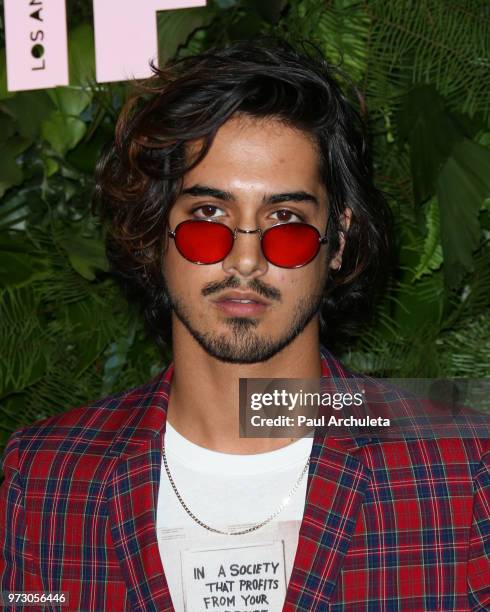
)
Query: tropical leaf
[
  {"x": 70, "y": 101},
  {"x": 4, "y": 94},
  {"x": 271, "y": 10},
  {"x": 344, "y": 33},
  {"x": 441, "y": 43},
  {"x": 7, "y": 126},
  {"x": 10, "y": 170},
  {"x": 431, "y": 258},
  {"x": 22, "y": 359},
  {"x": 81, "y": 56},
  {"x": 175, "y": 27},
  {"x": 86, "y": 255},
  {"x": 463, "y": 186},
  {"x": 465, "y": 350},
  {"x": 117, "y": 356},
  {"x": 13, "y": 212},
  {"x": 431, "y": 134},
  {"x": 29, "y": 109},
  {"x": 62, "y": 132}
]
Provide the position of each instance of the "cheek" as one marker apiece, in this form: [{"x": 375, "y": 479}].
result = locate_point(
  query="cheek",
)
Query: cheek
[
  {"x": 168, "y": 264},
  {"x": 312, "y": 285},
  {"x": 310, "y": 277},
  {"x": 186, "y": 278},
  {"x": 287, "y": 281},
  {"x": 177, "y": 271},
  {"x": 297, "y": 284}
]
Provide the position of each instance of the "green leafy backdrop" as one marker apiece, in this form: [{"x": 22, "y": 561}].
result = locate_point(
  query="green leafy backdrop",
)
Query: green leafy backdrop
[{"x": 66, "y": 334}]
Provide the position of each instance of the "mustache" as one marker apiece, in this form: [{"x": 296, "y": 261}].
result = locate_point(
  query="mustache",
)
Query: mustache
[{"x": 258, "y": 286}]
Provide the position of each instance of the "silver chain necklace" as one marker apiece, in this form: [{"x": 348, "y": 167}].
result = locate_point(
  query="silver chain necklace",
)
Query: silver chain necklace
[{"x": 243, "y": 531}]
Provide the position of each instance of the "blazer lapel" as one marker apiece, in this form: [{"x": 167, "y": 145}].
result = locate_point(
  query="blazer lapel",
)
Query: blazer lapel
[
  {"x": 336, "y": 486},
  {"x": 132, "y": 496},
  {"x": 337, "y": 482}
]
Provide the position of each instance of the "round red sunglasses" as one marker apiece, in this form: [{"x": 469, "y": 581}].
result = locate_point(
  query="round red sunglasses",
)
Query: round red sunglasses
[{"x": 286, "y": 245}]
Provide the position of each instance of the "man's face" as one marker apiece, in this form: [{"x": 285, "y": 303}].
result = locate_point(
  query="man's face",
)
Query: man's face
[{"x": 244, "y": 309}]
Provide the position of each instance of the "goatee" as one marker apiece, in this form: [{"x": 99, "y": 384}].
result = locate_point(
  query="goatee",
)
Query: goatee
[{"x": 244, "y": 344}]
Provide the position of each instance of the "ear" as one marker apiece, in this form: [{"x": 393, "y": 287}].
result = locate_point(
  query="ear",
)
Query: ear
[{"x": 345, "y": 219}]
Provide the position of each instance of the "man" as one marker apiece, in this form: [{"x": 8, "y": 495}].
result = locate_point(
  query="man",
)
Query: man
[{"x": 241, "y": 212}]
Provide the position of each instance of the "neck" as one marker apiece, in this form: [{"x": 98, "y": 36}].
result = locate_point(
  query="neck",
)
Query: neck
[{"x": 203, "y": 404}]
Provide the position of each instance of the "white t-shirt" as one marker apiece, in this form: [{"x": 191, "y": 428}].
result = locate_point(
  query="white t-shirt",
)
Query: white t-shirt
[{"x": 229, "y": 573}]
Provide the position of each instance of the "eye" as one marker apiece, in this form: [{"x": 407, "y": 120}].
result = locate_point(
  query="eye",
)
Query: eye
[
  {"x": 285, "y": 216},
  {"x": 207, "y": 212}
]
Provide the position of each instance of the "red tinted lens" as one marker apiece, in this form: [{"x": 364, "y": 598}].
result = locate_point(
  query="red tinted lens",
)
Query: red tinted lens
[
  {"x": 291, "y": 245},
  {"x": 203, "y": 242}
]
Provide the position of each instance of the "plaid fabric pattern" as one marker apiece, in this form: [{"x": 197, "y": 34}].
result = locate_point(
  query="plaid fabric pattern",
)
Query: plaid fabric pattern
[{"x": 388, "y": 526}]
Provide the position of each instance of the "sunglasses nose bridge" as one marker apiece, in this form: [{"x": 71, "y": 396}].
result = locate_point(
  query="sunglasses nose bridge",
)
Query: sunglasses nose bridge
[
  {"x": 246, "y": 256},
  {"x": 239, "y": 230}
]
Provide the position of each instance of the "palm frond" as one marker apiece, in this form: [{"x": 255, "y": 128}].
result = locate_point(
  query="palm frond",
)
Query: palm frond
[{"x": 443, "y": 43}]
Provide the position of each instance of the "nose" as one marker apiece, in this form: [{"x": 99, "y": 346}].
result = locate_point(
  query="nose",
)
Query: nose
[{"x": 246, "y": 258}]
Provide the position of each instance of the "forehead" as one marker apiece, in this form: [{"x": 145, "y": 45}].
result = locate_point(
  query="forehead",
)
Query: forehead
[{"x": 259, "y": 154}]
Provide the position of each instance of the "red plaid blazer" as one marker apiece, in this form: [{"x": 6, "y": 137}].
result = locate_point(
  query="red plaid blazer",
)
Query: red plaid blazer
[{"x": 389, "y": 526}]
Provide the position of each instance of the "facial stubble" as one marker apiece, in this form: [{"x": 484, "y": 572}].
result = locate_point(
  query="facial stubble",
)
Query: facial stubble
[{"x": 244, "y": 344}]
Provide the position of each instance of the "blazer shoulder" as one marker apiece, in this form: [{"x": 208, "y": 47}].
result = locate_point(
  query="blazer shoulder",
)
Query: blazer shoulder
[
  {"x": 10, "y": 457},
  {"x": 132, "y": 415},
  {"x": 428, "y": 458},
  {"x": 115, "y": 408}
]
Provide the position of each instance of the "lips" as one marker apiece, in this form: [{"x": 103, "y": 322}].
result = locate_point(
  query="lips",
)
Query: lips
[
  {"x": 239, "y": 303},
  {"x": 241, "y": 296}
]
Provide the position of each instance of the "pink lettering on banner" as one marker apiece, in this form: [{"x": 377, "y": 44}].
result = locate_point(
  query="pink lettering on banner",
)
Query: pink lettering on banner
[
  {"x": 126, "y": 36},
  {"x": 36, "y": 44}
]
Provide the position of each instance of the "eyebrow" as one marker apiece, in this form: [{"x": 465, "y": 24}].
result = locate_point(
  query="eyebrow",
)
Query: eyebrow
[
  {"x": 227, "y": 196},
  {"x": 205, "y": 191}
]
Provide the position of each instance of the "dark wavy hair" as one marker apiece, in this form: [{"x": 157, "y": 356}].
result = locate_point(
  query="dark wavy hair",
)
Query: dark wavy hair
[{"x": 139, "y": 176}]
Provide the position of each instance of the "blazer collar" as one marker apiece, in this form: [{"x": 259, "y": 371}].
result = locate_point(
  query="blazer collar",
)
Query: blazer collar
[
  {"x": 147, "y": 416},
  {"x": 336, "y": 484},
  {"x": 332, "y": 368},
  {"x": 132, "y": 495}
]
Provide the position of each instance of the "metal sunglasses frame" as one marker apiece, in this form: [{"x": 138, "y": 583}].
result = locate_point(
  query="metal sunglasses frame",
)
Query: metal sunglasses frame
[{"x": 239, "y": 230}]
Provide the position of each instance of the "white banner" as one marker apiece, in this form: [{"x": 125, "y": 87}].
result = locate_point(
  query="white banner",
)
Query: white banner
[
  {"x": 36, "y": 44},
  {"x": 126, "y": 36}
]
